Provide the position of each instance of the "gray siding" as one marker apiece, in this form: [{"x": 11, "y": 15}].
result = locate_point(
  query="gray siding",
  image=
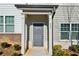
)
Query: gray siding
[
  {"x": 61, "y": 16},
  {"x": 11, "y": 10}
]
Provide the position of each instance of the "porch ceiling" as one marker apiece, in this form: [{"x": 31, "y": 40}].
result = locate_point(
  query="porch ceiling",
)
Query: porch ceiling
[{"x": 36, "y": 17}]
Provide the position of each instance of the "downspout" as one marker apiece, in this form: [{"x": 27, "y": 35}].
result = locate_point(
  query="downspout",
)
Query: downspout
[{"x": 53, "y": 13}]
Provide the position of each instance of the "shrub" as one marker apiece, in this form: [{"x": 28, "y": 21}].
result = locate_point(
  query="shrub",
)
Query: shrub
[
  {"x": 66, "y": 53},
  {"x": 16, "y": 54},
  {"x": 17, "y": 47},
  {"x": 1, "y": 52},
  {"x": 56, "y": 47},
  {"x": 74, "y": 48},
  {"x": 57, "y": 51},
  {"x": 5, "y": 45}
]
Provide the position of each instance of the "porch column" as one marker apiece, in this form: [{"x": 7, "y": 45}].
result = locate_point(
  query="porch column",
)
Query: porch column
[
  {"x": 22, "y": 37},
  {"x": 50, "y": 33}
]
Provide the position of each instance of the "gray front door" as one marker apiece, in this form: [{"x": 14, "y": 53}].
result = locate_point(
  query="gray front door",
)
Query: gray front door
[{"x": 38, "y": 35}]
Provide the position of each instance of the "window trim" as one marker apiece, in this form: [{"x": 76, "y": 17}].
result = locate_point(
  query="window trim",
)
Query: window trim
[
  {"x": 74, "y": 31},
  {"x": 65, "y": 31},
  {"x": 10, "y": 24},
  {"x": 4, "y": 31},
  {"x": 2, "y": 24}
]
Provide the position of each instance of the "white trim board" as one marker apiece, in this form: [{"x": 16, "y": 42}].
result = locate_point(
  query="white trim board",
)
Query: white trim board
[{"x": 36, "y": 13}]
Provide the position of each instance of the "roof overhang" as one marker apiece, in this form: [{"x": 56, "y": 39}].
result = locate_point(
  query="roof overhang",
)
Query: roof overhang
[
  {"x": 36, "y": 8},
  {"x": 33, "y": 6}
]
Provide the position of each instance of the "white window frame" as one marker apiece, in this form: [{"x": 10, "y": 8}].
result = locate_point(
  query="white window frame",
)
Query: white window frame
[
  {"x": 67, "y": 31},
  {"x": 74, "y": 31},
  {"x": 5, "y": 25},
  {"x": 63, "y": 31}
]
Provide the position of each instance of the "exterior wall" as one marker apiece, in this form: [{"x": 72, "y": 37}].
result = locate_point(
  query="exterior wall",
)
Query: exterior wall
[
  {"x": 61, "y": 16},
  {"x": 11, "y": 38},
  {"x": 30, "y": 19},
  {"x": 11, "y": 10}
]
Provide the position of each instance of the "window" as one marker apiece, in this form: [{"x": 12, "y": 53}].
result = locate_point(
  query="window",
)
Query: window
[
  {"x": 1, "y": 23},
  {"x": 9, "y": 23},
  {"x": 75, "y": 31},
  {"x": 75, "y": 27},
  {"x": 65, "y": 28}
]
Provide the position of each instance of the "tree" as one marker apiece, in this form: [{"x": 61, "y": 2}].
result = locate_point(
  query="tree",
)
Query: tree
[{"x": 70, "y": 9}]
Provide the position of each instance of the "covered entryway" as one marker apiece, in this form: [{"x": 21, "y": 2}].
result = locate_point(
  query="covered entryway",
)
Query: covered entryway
[{"x": 38, "y": 29}]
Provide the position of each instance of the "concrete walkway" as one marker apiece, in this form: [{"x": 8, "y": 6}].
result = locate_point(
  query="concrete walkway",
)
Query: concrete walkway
[{"x": 37, "y": 52}]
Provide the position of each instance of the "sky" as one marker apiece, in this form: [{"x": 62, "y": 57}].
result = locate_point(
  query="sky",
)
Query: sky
[{"x": 38, "y": 1}]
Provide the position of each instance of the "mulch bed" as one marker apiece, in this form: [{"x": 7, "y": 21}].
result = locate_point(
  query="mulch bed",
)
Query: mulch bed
[{"x": 72, "y": 53}]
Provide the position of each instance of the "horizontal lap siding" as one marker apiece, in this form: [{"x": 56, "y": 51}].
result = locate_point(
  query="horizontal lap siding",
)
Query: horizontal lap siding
[
  {"x": 13, "y": 38},
  {"x": 61, "y": 16},
  {"x": 11, "y": 10}
]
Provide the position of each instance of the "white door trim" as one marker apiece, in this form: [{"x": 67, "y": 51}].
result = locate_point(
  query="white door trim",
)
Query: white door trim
[
  {"x": 44, "y": 39},
  {"x": 43, "y": 13},
  {"x": 43, "y": 31}
]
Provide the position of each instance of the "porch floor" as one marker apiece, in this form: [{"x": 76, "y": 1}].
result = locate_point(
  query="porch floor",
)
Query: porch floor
[{"x": 37, "y": 52}]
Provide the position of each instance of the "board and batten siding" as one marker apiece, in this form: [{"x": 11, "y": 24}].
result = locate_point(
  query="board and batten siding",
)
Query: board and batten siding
[{"x": 61, "y": 16}]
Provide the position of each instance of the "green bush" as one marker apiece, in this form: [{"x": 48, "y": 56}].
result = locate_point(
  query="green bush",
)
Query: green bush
[
  {"x": 17, "y": 47},
  {"x": 57, "y": 51},
  {"x": 74, "y": 48},
  {"x": 1, "y": 52},
  {"x": 16, "y": 54},
  {"x": 5, "y": 45},
  {"x": 66, "y": 53},
  {"x": 56, "y": 47}
]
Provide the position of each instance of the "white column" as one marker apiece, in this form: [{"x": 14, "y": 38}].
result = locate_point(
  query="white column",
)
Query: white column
[
  {"x": 50, "y": 34},
  {"x": 22, "y": 37}
]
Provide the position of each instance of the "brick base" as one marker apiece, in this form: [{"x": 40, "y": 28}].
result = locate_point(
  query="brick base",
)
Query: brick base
[{"x": 11, "y": 38}]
